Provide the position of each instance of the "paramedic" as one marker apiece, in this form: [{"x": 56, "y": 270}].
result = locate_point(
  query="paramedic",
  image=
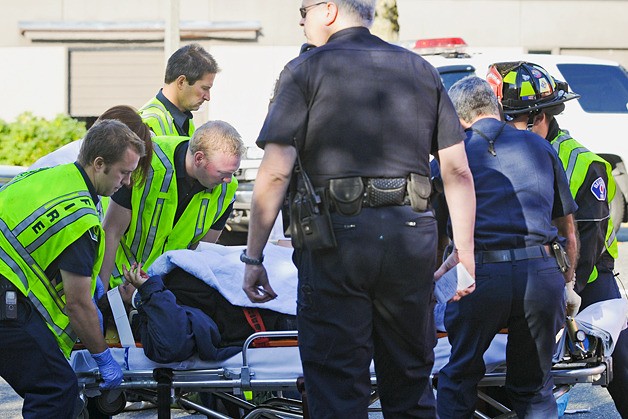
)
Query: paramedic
[
  {"x": 520, "y": 189},
  {"x": 362, "y": 109},
  {"x": 187, "y": 199},
  {"x": 51, "y": 246},
  {"x": 190, "y": 75},
  {"x": 592, "y": 186}
]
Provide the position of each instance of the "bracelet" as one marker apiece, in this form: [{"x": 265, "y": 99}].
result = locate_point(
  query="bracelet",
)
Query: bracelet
[{"x": 250, "y": 261}]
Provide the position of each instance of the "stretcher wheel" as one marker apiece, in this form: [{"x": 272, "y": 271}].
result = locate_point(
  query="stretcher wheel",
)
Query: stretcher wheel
[{"x": 111, "y": 407}]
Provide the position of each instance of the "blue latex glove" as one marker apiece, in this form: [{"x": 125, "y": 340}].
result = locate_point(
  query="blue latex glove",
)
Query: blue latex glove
[
  {"x": 109, "y": 369},
  {"x": 100, "y": 289},
  {"x": 98, "y": 293}
]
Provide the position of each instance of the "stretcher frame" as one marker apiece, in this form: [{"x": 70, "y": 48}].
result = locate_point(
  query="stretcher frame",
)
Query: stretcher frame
[{"x": 164, "y": 386}]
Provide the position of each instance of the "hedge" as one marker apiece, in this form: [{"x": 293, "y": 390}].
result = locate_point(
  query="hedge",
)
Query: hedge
[{"x": 30, "y": 137}]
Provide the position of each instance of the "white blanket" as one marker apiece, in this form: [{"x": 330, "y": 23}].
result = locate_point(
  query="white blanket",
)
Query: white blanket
[
  {"x": 220, "y": 267},
  {"x": 605, "y": 320}
]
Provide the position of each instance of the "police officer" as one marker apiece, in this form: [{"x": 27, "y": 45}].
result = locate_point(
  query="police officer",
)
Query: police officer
[
  {"x": 51, "y": 248},
  {"x": 190, "y": 75},
  {"x": 520, "y": 189},
  {"x": 365, "y": 115},
  {"x": 187, "y": 199},
  {"x": 531, "y": 99}
]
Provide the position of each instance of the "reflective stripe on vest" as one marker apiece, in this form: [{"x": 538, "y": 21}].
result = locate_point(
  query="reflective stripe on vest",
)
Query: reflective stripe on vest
[
  {"x": 59, "y": 210},
  {"x": 152, "y": 230},
  {"x": 157, "y": 117},
  {"x": 576, "y": 160}
]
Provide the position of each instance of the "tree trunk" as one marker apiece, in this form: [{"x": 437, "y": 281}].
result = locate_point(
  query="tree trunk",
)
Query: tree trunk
[{"x": 386, "y": 24}]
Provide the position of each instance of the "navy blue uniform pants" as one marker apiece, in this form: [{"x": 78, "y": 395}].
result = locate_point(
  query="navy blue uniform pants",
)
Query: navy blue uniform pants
[
  {"x": 31, "y": 362},
  {"x": 370, "y": 298},
  {"x": 605, "y": 288},
  {"x": 527, "y": 297}
]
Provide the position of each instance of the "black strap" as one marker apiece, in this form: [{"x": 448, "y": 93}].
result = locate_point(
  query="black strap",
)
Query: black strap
[{"x": 491, "y": 141}]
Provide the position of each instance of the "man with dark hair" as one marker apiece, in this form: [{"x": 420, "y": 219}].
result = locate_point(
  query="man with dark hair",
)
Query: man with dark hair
[
  {"x": 51, "y": 249},
  {"x": 190, "y": 75}
]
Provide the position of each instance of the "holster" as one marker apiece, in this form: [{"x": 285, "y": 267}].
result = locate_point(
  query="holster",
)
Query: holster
[
  {"x": 6, "y": 311},
  {"x": 347, "y": 195},
  {"x": 310, "y": 223},
  {"x": 419, "y": 191},
  {"x": 561, "y": 257}
]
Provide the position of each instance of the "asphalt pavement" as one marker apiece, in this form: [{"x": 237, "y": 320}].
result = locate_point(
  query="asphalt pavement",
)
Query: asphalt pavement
[{"x": 585, "y": 400}]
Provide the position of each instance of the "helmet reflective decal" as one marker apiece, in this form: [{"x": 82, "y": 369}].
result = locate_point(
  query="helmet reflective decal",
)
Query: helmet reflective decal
[
  {"x": 544, "y": 87},
  {"x": 598, "y": 188}
]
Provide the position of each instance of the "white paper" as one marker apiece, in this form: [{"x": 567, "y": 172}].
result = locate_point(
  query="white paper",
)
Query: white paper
[
  {"x": 121, "y": 318},
  {"x": 455, "y": 279}
]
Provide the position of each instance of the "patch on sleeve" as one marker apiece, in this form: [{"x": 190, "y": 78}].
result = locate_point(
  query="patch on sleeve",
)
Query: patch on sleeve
[{"x": 598, "y": 189}]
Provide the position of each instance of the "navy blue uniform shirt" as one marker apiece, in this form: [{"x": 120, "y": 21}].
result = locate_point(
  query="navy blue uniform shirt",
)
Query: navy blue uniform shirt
[
  {"x": 519, "y": 191},
  {"x": 393, "y": 109}
]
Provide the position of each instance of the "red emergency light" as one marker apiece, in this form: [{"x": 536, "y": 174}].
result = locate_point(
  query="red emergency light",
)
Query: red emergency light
[{"x": 439, "y": 45}]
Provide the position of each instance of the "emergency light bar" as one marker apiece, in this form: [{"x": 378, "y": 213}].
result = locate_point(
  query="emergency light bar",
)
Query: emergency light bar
[{"x": 434, "y": 46}]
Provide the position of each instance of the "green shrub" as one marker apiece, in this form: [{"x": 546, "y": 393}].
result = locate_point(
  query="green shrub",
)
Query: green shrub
[{"x": 30, "y": 137}]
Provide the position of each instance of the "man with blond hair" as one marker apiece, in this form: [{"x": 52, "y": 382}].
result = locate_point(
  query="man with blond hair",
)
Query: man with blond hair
[{"x": 187, "y": 198}]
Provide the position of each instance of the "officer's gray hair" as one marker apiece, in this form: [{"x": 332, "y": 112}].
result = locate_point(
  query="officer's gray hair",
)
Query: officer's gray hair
[
  {"x": 363, "y": 10},
  {"x": 216, "y": 136},
  {"x": 473, "y": 97}
]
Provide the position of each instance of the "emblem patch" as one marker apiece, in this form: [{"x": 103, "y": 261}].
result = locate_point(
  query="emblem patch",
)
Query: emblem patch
[{"x": 598, "y": 188}]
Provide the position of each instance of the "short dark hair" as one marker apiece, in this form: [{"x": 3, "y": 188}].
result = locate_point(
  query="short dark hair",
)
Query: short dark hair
[
  {"x": 191, "y": 61},
  {"x": 109, "y": 139}
]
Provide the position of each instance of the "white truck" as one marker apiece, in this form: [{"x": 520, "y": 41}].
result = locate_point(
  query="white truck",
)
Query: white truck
[{"x": 598, "y": 120}]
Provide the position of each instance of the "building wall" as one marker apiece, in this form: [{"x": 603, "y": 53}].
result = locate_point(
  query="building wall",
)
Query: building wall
[
  {"x": 532, "y": 24},
  {"x": 86, "y": 78}
]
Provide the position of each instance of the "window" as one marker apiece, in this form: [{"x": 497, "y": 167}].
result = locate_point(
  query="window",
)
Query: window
[
  {"x": 450, "y": 74},
  {"x": 603, "y": 88}
]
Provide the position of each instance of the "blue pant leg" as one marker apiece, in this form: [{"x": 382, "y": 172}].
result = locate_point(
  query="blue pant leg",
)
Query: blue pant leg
[
  {"x": 537, "y": 315},
  {"x": 32, "y": 363},
  {"x": 403, "y": 324},
  {"x": 605, "y": 288},
  {"x": 471, "y": 325}
]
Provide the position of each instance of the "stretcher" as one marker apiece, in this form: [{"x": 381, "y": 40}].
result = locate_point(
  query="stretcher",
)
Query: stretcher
[
  {"x": 266, "y": 380},
  {"x": 276, "y": 369}
]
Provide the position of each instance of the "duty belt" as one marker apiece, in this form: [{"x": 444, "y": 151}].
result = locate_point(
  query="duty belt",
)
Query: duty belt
[{"x": 511, "y": 255}]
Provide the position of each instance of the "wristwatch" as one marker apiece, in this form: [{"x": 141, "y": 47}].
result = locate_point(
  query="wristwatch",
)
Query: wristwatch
[{"x": 250, "y": 261}]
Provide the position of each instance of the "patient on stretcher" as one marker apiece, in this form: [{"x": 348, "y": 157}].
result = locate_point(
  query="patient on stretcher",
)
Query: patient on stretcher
[{"x": 179, "y": 316}]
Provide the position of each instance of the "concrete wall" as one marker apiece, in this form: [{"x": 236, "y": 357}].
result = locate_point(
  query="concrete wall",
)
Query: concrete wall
[
  {"x": 533, "y": 24},
  {"x": 33, "y": 79}
]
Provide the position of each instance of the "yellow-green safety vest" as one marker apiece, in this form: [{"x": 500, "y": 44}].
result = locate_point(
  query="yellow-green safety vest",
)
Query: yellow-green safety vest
[
  {"x": 576, "y": 160},
  {"x": 156, "y": 116},
  {"x": 152, "y": 230},
  {"x": 41, "y": 212}
]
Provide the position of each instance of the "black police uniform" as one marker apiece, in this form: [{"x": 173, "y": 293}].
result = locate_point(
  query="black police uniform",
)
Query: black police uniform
[
  {"x": 519, "y": 190},
  {"x": 359, "y": 106}
]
